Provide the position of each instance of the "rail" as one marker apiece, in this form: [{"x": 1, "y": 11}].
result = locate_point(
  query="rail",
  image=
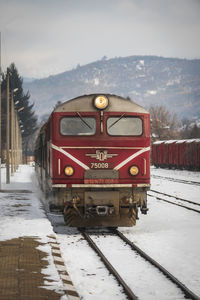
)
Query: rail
[
  {"x": 111, "y": 269},
  {"x": 177, "y": 180},
  {"x": 177, "y": 204},
  {"x": 185, "y": 290}
]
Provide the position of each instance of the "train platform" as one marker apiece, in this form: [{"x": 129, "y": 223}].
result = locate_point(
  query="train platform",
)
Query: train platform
[{"x": 31, "y": 265}]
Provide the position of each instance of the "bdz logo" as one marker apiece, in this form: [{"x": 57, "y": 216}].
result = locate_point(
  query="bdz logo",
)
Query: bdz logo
[{"x": 101, "y": 155}]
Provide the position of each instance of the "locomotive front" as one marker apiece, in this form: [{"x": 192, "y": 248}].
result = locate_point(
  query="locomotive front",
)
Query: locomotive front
[{"x": 97, "y": 160}]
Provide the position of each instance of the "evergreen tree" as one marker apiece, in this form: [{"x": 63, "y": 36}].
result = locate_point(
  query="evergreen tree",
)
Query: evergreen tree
[{"x": 26, "y": 115}]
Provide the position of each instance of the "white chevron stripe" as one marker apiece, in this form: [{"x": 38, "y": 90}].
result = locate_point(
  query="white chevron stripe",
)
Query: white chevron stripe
[
  {"x": 87, "y": 168},
  {"x": 123, "y": 163},
  {"x": 70, "y": 156}
]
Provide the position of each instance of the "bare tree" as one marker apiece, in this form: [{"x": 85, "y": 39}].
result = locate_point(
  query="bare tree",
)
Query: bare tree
[
  {"x": 164, "y": 125},
  {"x": 190, "y": 129}
]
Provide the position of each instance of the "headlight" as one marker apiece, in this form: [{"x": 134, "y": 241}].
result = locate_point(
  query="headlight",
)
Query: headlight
[
  {"x": 134, "y": 170},
  {"x": 101, "y": 102},
  {"x": 69, "y": 171}
]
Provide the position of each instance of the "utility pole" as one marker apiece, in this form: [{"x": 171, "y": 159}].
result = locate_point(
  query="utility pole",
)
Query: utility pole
[
  {"x": 12, "y": 133},
  {"x": 15, "y": 141},
  {"x": 0, "y": 111},
  {"x": 8, "y": 130}
]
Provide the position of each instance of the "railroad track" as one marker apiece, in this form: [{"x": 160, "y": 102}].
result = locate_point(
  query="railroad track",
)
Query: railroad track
[
  {"x": 110, "y": 268},
  {"x": 130, "y": 294},
  {"x": 177, "y": 180},
  {"x": 176, "y": 199}
]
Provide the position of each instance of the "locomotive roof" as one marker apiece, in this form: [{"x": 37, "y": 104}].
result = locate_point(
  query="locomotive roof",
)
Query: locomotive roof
[{"x": 85, "y": 103}]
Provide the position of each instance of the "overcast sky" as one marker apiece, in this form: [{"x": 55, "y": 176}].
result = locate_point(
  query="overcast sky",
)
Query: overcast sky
[{"x": 45, "y": 37}]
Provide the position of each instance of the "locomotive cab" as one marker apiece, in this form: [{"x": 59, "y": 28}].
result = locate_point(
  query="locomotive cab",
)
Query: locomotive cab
[{"x": 97, "y": 160}]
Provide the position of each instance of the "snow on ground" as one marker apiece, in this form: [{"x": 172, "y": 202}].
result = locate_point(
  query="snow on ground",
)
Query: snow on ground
[
  {"x": 182, "y": 190},
  {"x": 170, "y": 234},
  {"x": 177, "y": 174},
  {"x": 88, "y": 273},
  {"x": 137, "y": 273},
  {"x": 21, "y": 214}
]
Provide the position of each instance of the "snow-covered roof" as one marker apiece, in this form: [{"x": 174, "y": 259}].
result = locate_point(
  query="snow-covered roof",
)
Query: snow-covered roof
[
  {"x": 190, "y": 141},
  {"x": 170, "y": 141},
  {"x": 158, "y": 142},
  {"x": 181, "y": 141}
]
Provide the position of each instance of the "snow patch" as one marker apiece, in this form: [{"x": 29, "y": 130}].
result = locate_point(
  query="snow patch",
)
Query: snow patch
[
  {"x": 96, "y": 81},
  {"x": 172, "y": 82},
  {"x": 140, "y": 65},
  {"x": 152, "y": 92}
]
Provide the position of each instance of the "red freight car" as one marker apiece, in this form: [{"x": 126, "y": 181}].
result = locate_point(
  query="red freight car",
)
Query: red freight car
[
  {"x": 180, "y": 148},
  {"x": 93, "y": 161},
  {"x": 197, "y": 154},
  {"x": 189, "y": 154},
  {"x": 180, "y": 154},
  {"x": 169, "y": 150},
  {"x": 158, "y": 153}
]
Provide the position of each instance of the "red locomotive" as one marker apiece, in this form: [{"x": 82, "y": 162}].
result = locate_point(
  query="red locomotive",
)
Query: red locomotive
[
  {"x": 93, "y": 160},
  {"x": 177, "y": 154}
]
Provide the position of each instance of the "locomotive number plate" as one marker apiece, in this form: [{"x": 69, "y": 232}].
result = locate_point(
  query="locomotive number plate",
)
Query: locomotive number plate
[{"x": 99, "y": 166}]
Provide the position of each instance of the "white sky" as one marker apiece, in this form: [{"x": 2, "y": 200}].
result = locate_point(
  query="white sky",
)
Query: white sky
[{"x": 44, "y": 37}]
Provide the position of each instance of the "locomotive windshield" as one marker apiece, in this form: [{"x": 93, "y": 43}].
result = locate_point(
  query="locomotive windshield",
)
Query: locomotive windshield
[
  {"x": 124, "y": 126},
  {"x": 77, "y": 126}
]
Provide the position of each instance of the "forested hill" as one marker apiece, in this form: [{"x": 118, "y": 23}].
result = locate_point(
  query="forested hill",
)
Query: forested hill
[{"x": 174, "y": 83}]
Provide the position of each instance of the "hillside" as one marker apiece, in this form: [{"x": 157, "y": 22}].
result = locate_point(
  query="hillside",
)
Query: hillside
[{"x": 174, "y": 83}]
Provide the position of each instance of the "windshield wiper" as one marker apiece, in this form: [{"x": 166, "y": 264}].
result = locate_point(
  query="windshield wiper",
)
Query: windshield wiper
[
  {"x": 116, "y": 121},
  {"x": 83, "y": 120}
]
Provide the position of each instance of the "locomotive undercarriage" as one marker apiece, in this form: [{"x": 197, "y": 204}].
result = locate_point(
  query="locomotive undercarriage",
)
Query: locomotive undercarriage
[{"x": 93, "y": 207}]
